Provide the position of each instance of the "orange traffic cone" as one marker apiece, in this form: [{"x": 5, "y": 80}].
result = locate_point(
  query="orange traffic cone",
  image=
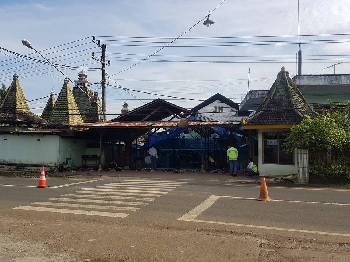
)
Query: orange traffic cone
[
  {"x": 42, "y": 181},
  {"x": 264, "y": 194}
]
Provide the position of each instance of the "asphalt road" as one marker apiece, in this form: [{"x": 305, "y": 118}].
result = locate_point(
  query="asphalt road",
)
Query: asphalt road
[{"x": 181, "y": 204}]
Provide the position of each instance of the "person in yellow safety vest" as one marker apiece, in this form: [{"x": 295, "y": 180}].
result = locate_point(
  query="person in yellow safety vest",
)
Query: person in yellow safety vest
[
  {"x": 232, "y": 156},
  {"x": 252, "y": 168}
]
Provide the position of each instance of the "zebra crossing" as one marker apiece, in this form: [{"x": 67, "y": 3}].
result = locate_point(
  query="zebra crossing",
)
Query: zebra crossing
[{"x": 108, "y": 200}]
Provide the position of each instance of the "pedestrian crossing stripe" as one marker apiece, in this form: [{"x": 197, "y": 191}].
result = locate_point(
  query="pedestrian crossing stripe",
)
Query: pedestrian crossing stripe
[
  {"x": 147, "y": 188},
  {"x": 133, "y": 190},
  {"x": 71, "y": 211},
  {"x": 117, "y": 199},
  {"x": 110, "y": 197},
  {"x": 108, "y": 192},
  {"x": 64, "y": 199},
  {"x": 143, "y": 186},
  {"x": 86, "y": 206}
]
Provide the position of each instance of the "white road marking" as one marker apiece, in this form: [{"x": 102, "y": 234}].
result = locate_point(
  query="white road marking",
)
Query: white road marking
[
  {"x": 200, "y": 208},
  {"x": 48, "y": 186},
  {"x": 296, "y": 188},
  {"x": 77, "y": 183},
  {"x": 109, "y": 197},
  {"x": 292, "y": 201},
  {"x": 142, "y": 186},
  {"x": 194, "y": 213},
  {"x": 70, "y": 211},
  {"x": 313, "y": 188},
  {"x": 147, "y": 184},
  {"x": 108, "y": 192},
  {"x": 8, "y": 185},
  {"x": 85, "y": 206},
  {"x": 146, "y": 190},
  {"x": 101, "y": 188},
  {"x": 270, "y": 228},
  {"x": 127, "y": 196},
  {"x": 145, "y": 181},
  {"x": 98, "y": 201}
]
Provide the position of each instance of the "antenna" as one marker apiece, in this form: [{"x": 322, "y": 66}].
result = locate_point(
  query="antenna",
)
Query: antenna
[
  {"x": 299, "y": 51},
  {"x": 332, "y": 66},
  {"x": 248, "y": 80}
]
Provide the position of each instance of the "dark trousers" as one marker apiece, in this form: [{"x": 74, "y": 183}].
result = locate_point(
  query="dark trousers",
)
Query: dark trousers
[
  {"x": 153, "y": 162},
  {"x": 233, "y": 165},
  {"x": 252, "y": 173}
]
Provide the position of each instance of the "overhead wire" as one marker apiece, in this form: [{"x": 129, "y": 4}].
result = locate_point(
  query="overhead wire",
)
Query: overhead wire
[
  {"x": 38, "y": 67},
  {"x": 64, "y": 44},
  {"x": 169, "y": 43},
  {"x": 18, "y": 61},
  {"x": 273, "y": 42},
  {"x": 149, "y": 93},
  {"x": 227, "y": 37}
]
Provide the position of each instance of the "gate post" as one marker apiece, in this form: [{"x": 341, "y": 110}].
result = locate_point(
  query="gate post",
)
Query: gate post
[{"x": 303, "y": 165}]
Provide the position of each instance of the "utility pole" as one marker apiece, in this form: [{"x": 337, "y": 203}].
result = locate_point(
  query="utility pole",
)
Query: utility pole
[
  {"x": 103, "y": 62},
  {"x": 103, "y": 82},
  {"x": 299, "y": 51}
]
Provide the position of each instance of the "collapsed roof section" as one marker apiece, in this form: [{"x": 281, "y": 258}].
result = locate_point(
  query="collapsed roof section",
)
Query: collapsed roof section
[{"x": 156, "y": 110}]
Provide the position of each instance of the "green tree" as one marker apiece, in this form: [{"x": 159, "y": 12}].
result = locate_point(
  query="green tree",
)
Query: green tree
[{"x": 321, "y": 133}]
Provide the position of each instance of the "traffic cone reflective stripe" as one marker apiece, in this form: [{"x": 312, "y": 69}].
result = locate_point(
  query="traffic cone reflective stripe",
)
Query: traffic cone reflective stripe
[
  {"x": 42, "y": 181},
  {"x": 264, "y": 194}
]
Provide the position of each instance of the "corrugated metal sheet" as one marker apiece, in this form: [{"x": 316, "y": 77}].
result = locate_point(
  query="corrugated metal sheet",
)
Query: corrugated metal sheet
[{"x": 158, "y": 124}]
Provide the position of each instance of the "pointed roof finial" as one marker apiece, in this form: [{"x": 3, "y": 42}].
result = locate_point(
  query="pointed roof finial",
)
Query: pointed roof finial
[
  {"x": 15, "y": 76},
  {"x": 283, "y": 69}
]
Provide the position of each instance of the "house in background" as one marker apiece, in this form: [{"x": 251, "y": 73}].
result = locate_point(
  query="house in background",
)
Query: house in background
[
  {"x": 66, "y": 135},
  {"x": 251, "y": 102},
  {"x": 283, "y": 107},
  {"x": 29, "y": 140},
  {"x": 217, "y": 108},
  {"x": 319, "y": 90}
]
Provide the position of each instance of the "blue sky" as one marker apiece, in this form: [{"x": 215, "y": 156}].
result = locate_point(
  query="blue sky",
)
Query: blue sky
[{"x": 196, "y": 66}]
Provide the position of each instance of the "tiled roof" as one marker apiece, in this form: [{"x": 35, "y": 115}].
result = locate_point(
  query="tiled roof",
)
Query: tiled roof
[
  {"x": 95, "y": 110},
  {"x": 49, "y": 107},
  {"x": 65, "y": 111},
  {"x": 88, "y": 102},
  {"x": 83, "y": 97},
  {"x": 14, "y": 107},
  {"x": 283, "y": 105}
]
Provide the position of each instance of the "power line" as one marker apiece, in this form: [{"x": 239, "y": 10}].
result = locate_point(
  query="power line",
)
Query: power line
[
  {"x": 169, "y": 43},
  {"x": 225, "y": 37}
]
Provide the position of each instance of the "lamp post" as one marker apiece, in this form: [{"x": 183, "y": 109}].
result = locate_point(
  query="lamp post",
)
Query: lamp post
[
  {"x": 26, "y": 43},
  {"x": 208, "y": 22}
]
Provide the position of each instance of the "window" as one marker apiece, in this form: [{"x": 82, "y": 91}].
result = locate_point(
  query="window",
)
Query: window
[{"x": 273, "y": 149}]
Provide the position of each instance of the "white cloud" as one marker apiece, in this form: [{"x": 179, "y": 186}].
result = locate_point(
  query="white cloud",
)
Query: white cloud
[{"x": 50, "y": 23}]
